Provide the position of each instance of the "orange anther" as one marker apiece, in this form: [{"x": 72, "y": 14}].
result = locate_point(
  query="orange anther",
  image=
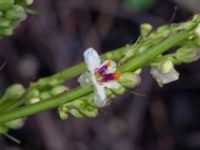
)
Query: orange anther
[
  {"x": 117, "y": 75},
  {"x": 109, "y": 63}
]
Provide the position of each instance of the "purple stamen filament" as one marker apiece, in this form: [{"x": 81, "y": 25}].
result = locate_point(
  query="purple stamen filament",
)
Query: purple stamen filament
[{"x": 102, "y": 70}]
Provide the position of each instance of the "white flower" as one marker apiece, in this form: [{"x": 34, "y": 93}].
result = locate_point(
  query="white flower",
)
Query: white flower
[
  {"x": 99, "y": 75},
  {"x": 164, "y": 78}
]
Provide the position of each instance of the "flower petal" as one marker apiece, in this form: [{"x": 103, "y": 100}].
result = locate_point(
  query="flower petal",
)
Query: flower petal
[
  {"x": 112, "y": 84},
  {"x": 112, "y": 68},
  {"x": 92, "y": 59},
  {"x": 100, "y": 96},
  {"x": 161, "y": 78},
  {"x": 85, "y": 79}
]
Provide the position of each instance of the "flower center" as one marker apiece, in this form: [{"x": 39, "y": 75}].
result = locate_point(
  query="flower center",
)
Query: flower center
[{"x": 102, "y": 76}]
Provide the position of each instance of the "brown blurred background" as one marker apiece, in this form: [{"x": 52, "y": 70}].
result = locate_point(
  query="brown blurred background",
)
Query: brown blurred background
[{"x": 165, "y": 119}]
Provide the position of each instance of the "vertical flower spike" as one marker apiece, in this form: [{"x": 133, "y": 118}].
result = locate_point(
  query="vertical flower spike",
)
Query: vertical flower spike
[{"x": 99, "y": 75}]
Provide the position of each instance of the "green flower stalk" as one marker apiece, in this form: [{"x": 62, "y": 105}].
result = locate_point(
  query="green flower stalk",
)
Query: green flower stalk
[{"x": 119, "y": 67}]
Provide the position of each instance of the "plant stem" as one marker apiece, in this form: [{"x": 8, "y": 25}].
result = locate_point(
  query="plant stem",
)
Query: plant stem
[
  {"x": 151, "y": 53},
  {"x": 132, "y": 65},
  {"x": 58, "y": 78},
  {"x": 45, "y": 105}
]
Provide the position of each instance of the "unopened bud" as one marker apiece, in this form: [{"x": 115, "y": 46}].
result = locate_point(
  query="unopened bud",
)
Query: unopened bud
[
  {"x": 28, "y": 2},
  {"x": 166, "y": 66},
  {"x": 188, "y": 55},
  {"x": 119, "y": 90},
  {"x": 15, "y": 124},
  {"x": 45, "y": 95},
  {"x": 15, "y": 91},
  {"x": 163, "y": 31},
  {"x": 63, "y": 115},
  {"x": 137, "y": 72},
  {"x": 58, "y": 90},
  {"x": 129, "y": 79},
  {"x": 110, "y": 94},
  {"x": 145, "y": 29},
  {"x": 34, "y": 100},
  {"x": 54, "y": 82},
  {"x": 89, "y": 114},
  {"x": 76, "y": 113},
  {"x": 35, "y": 93}
]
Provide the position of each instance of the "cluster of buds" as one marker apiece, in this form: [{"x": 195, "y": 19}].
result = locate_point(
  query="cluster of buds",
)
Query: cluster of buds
[
  {"x": 16, "y": 91},
  {"x": 12, "y": 12},
  {"x": 82, "y": 107},
  {"x": 36, "y": 95}
]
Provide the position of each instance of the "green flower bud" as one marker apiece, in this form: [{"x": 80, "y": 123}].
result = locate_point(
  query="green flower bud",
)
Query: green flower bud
[
  {"x": 163, "y": 28},
  {"x": 34, "y": 100},
  {"x": 58, "y": 90},
  {"x": 6, "y": 31},
  {"x": 79, "y": 108},
  {"x": 28, "y": 2},
  {"x": 63, "y": 115},
  {"x": 110, "y": 94},
  {"x": 119, "y": 90},
  {"x": 145, "y": 29},
  {"x": 45, "y": 95},
  {"x": 78, "y": 103},
  {"x": 89, "y": 114},
  {"x": 17, "y": 12},
  {"x": 15, "y": 91},
  {"x": 4, "y": 22},
  {"x": 163, "y": 31},
  {"x": 166, "y": 66},
  {"x": 15, "y": 124},
  {"x": 35, "y": 93},
  {"x": 54, "y": 82},
  {"x": 188, "y": 54},
  {"x": 129, "y": 79},
  {"x": 137, "y": 72},
  {"x": 6, "y": 4},
  {"x": 63, "y": 111},
  {"x": 76, "y": 113},
  {"x": 64, "y": 107}
]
